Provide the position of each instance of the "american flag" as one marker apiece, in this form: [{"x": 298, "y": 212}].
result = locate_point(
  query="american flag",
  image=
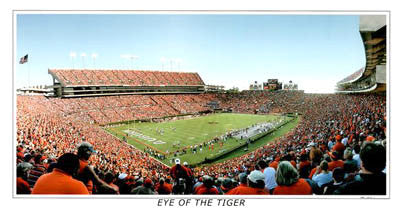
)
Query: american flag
[{"x": 24, "y": 59}]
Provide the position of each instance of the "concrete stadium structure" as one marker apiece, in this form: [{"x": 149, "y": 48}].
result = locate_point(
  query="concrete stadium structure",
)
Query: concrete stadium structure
[{"x": 372, "y": 77}]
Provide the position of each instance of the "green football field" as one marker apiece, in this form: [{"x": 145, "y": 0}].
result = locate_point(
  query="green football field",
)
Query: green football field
[{"x": 171, "y": 136}]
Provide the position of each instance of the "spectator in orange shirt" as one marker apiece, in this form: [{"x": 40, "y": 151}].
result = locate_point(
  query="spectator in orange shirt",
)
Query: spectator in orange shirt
[
  {"x": 207, "y": 187},
  {"x": 339, "y": 147},
  {"x": 22, "y": 173},
  {"x": 163, "y": 187},
  {"x": 256, "y": 185},
  {"x": 289, "y": 182},
  {"x": 227, "y": 185},
  {"x": 336, "y": 161},
  {"x": 60, "y": 180},
  {"x": 242, "y": 186},
  {"x": 256, "y": 182}
]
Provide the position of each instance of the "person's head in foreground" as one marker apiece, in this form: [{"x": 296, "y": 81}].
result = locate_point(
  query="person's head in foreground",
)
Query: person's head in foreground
[
  {"x": 85, "y": 150},
  {"x": 60, "y": 180}
]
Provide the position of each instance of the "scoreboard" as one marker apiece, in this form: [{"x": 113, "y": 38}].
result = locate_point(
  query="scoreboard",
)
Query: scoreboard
[{"x": 272, "y": 84}]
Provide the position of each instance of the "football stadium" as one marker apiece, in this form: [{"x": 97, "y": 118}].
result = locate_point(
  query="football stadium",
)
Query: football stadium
[{"x": 169, "y": 132}]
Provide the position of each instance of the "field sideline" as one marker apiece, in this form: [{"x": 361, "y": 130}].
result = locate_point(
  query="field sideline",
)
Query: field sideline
[{"x": 171, "y": 136}]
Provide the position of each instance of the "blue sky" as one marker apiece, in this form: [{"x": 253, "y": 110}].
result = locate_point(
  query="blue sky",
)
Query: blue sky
[{"x": 314, "y": 51}]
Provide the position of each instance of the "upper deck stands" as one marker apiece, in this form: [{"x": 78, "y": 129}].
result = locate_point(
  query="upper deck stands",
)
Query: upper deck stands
[{"x": 77, "y": 77}]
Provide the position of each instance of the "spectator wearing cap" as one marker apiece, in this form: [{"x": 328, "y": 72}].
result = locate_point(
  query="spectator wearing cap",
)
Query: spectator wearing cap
[
  {"x": 146, "y": 188},
  {"x": 189, "y": 170},
  {"x": 256, "y": 182},
  {"x": 339, "y": 147},
  {"x": 22, "y": 175},
  {"x": 86, "y": 173},
  {"x": 338, "y": 180},
  {"x": 336, "y": 161},
  {"x": 206, "y": 187},
  {"x": 37, "y": 170},
  {"x": 60, "y": 180},
  {"x": 289, "y": 182},
  {"x": 371, "y": 180},
  {"x": 182, "y": 176},
  {"x": 322, "y": 175}
]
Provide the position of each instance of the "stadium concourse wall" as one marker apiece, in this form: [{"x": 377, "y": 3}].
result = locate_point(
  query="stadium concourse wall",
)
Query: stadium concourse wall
[
  {"x": 372, "y": 77},
  {"x": 246, "y": 144}
]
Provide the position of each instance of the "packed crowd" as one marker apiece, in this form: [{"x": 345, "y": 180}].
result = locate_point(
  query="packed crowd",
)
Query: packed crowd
[
  {"x": 338, "y": 147},
  {"x": 102, "y": 110},
  {"x": 262, "y": 101},
  {"x": 126, "y": 77}
]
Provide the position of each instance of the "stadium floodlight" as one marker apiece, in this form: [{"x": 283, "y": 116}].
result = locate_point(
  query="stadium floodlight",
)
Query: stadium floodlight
[
  {"x": 171, "y": 61},
  {"x": 131, "y": 57},
  {"x": 94, "y": 56},
  {"x": 178, "y": 61},
  {"x": 163, "y": 60},
  {"x": 72, "y": 55},
  {"x": 125, "y": 56},
  {"x": 83, "y": 55}
]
